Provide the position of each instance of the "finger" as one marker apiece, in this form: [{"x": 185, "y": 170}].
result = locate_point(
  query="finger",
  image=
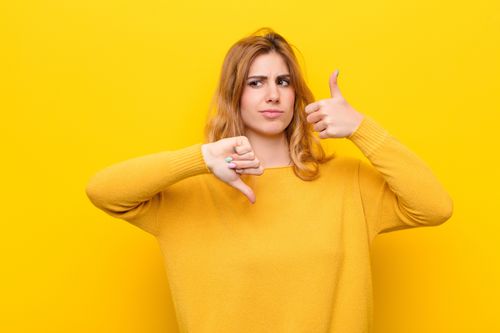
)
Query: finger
[
  {"x": 237, "y": 143},
  {"x": 246, "y": 156},
  {"x": 320, "y": 126},
  {"x": 243, "y": 147},
  {"x": 240, "y": 150},
  {"x": 315, "y": 117},
  {"x": 250, "y": 171},
  {"x": 243, "y": 188},
  {"x": 334, "y": 87},
  {"x": 312, "y": 107},
  {"x": 242, "y": 164}
]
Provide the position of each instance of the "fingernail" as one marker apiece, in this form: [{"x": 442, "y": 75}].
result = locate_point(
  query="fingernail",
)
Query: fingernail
[
  {"x": 228, "y": 159},
  {"x": 231, "y": 165}
]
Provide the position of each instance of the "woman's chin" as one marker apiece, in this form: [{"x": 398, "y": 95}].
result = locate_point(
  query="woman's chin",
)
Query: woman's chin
[
  {"x": 272, "y": 133},
  {"x": 269, "y": 130}
]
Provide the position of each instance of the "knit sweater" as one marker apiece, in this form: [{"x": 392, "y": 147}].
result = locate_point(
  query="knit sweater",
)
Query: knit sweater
[{"x": 295, "y": 261}]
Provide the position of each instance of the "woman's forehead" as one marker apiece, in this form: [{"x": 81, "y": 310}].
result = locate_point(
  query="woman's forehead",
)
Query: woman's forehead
[{"x": 268, "y": 64}]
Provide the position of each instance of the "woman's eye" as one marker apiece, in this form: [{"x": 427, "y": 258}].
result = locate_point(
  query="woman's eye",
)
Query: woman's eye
[
  {"x": 253, "y": 83},
  {"x": 287, "y": 82}
]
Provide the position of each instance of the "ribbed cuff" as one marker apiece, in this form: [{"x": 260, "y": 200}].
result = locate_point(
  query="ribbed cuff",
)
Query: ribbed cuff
[
  {"x": 368, "y": 136},
  {"x": 188, "y": 161}
]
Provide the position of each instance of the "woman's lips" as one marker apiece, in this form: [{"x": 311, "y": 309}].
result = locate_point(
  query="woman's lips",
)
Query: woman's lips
[{"x": 271, "y": 114}]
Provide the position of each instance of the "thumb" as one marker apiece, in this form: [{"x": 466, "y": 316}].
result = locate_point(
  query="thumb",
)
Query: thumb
[
  {"x": 334, "y": 88},
  {"x": 243, "y": 188}
]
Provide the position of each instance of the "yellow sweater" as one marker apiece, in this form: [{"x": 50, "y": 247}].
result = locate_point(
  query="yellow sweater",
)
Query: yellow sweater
[{"x": 296, "y": 261}]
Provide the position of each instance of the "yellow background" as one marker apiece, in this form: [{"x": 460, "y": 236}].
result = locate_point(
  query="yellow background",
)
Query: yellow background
[{"x": 85, "y": 84}]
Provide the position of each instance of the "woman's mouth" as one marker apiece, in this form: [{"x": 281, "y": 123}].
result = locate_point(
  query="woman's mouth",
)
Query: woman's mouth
[{"x": 271, "y": 114}]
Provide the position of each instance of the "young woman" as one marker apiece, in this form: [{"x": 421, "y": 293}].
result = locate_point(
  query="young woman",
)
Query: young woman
[{"x": 260, "y": 231}]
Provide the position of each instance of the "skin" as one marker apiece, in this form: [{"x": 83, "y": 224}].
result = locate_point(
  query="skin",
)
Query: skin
[
  {"x": 333, "y": 117},
  {"x": 264, "y": 139},
  {"x": 267, "y": 136}
]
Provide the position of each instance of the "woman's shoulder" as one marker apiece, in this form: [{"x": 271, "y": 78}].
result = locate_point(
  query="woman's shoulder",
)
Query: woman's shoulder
[
  {"x": 342, "y": 161},
  {"x": 340, "y": 166}
]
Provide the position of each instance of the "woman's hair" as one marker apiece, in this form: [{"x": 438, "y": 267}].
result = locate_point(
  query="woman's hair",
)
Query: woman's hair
[{"x": 305, "y": 149}]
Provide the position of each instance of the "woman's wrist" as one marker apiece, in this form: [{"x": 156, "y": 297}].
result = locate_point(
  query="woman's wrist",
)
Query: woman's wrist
[{"x": 207, "y": 156}]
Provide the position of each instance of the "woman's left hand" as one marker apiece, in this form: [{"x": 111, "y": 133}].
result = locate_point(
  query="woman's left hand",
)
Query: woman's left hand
[{"x": 333, "y": 117}]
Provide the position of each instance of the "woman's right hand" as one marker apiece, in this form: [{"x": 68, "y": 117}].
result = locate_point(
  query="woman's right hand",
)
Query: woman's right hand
[{"x": 243, "y": 157}]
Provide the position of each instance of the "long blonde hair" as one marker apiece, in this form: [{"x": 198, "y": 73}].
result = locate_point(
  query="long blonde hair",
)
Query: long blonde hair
[{"x": 224, "y": 118}]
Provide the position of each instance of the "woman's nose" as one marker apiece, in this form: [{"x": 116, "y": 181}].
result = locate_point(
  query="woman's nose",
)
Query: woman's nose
[{"x": 273, "y": 93}]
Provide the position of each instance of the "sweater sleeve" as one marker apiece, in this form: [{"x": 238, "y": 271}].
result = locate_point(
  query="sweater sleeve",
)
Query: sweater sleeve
[
  {"x": 132, "y": 190},
  {"x": 398, "y": 190}
]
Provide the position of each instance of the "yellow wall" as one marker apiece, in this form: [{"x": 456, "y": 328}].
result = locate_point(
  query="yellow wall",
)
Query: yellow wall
[{"x": 85, "y": 84}]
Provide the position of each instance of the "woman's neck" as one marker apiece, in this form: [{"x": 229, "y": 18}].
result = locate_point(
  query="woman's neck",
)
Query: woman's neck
[{"x": 271, "y": 151}]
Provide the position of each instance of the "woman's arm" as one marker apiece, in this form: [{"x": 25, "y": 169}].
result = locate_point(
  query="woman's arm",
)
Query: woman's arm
[
  {"x": 132, "y": 190},
  {"x": 398, "y": 189}
]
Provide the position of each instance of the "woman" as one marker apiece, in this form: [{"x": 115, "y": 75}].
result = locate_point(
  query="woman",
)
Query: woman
[{"x": 298, "y": 258}]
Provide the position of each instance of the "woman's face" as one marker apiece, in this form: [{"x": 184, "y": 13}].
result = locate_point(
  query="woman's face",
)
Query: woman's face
[{"x": 267, "y": 87}]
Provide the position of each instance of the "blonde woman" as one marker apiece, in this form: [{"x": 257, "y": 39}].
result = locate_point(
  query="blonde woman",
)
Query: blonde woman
[{"x": 260, "y": 230}]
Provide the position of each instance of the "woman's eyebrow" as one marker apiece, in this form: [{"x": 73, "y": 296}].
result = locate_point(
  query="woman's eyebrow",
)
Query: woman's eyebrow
[{"x": 265, "y": 77}]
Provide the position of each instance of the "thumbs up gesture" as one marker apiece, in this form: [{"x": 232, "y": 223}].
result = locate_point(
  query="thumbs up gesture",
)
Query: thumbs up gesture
[{"x": 333, "y": 117}]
